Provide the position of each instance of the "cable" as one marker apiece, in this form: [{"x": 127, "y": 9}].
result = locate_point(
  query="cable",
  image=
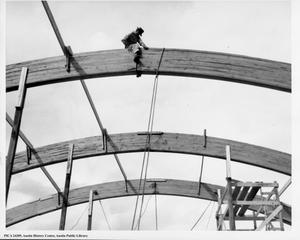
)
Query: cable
[
  {"x": 146, "y": 153},
  {"x": 108, "y": 225},
  {"x": 144, "y": 209},
  {"x": 150, "y": 128},
  {"x": 79, "y": 217},
  {"x": 212, "y": 208},
  {"x": 201, "y": 216}
]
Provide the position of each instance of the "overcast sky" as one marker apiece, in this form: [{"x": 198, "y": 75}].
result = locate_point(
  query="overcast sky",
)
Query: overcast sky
[{"x": 60, "y": 112}]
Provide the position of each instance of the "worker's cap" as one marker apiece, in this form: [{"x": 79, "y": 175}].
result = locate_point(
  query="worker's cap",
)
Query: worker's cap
[{"x": 140, "y": 30}]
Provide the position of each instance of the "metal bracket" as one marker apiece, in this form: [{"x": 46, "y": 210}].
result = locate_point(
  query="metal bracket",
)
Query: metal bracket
[
  {"x": 28, "y": 154},
  {"x": 104, "y": 139},
  {"x": 69, "y": 55},
  {"x": 205, "y": 139},
  {"x": 150, "y": 133},
  {"x": 126, "y": 185},
  {"x": 58, "y": 197}
]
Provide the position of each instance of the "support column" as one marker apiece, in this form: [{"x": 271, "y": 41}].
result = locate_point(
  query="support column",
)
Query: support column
[
  {"x": 90, "y": 211},
  {"x": 229, "y": 187},
  {"x": 66, "y": 189},
  {"x": 16, "y": 128}
]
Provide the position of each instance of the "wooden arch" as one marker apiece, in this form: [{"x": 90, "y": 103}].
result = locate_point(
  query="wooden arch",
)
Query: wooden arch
[
  {"x": 115, "y": 190},
  {"x": 159, "y": 142},
  {"x": 175, "y": 62}
]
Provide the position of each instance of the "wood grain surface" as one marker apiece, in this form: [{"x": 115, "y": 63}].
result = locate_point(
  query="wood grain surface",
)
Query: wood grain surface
[
  {"x": 117, "y": 189},
  {"x": 166, "y": 142},
  {"x": 175, "y": 62}
]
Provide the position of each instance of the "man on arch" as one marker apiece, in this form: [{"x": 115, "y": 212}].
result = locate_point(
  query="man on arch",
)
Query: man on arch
[{"x": 134, "y": 44}]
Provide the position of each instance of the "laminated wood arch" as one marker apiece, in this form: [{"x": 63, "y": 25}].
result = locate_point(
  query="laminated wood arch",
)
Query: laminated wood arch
[
  {"x": 175, "y": 62},
  {"x": 159, "y": 142},
  {"x": 115, "y": 190}
]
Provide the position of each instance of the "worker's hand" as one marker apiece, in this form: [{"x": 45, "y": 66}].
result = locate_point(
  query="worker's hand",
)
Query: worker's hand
[{"x": 146, "y": 48}]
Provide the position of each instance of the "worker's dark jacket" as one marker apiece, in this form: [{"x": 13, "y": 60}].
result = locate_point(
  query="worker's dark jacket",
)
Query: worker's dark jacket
[{"x": 131, "y": 39}]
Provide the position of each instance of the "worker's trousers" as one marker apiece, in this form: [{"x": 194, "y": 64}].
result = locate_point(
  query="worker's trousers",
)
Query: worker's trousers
[{"x": 134, "y": 48}]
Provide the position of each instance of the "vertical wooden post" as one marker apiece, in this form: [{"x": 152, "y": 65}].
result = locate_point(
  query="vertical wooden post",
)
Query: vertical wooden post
[
  {"x": 90, "y": 211},
  {"x": 228, "y": 162},
  {"x": 280, "y": 213},
  {"x": 66, "y": 189},
  {"x": 228, "y": 179},
  {"x": 254, "y": 221},
  {"x": 16, "y": 128},
  {"x": 219, "y": 221}
]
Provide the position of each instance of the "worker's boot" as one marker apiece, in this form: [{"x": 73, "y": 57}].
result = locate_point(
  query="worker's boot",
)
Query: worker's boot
[{"x": 137, "y": 59}]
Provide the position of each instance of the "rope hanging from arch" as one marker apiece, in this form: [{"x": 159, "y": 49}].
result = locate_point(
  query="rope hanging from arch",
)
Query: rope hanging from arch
[{"x": 146, "y": 154}]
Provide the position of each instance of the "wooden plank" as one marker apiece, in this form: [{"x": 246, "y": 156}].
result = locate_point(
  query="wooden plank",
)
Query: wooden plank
[
  {"x": 241, "y": 196},
  {"x": 66, "y": 189},
  {"x": 255, "y": 184},
  {"x": 115, "y": 190},
  {"x": 250, "y": 196},
  {"x": 16, "y": 128},
  {"x": 285, "y": 186},
  {"x": 270, "y": 217},
  {"x": 247, "y": 218},
  {"x": 168, "y": 142},
  {"x": 230, "y": 203},
  {"x": 251, "y": 202},
  {"x": 176, "y": 62},
  {"x": 90, "y": 210},
  {"x": 236, "y": 192},
  {"x": 228, "y": 163}
]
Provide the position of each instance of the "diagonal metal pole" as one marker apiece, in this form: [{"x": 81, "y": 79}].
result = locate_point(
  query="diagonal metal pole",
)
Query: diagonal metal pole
[
  {"x": 67, "y": 53},
  {"x": 66, "y": 49},
  {"x": 30, "y": 145},
  {"x": 103, "y": 130},
  {"x": 55, "y": 28}
]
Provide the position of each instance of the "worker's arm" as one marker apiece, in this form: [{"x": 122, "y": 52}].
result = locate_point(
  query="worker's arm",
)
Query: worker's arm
[{"x": 143, "y": 44}]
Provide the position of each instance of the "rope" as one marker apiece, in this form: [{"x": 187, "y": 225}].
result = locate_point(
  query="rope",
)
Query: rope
[
  {"x": 212, "y": 208},
  {"x": 151, "y": 120},
  {"x": 201, "y": 216},
  {"x": 146, "y": 153},
  {"x": 79, "y": 217},
  {"x": 108, "y": 225},
  {"x": 144, "y": 209}
]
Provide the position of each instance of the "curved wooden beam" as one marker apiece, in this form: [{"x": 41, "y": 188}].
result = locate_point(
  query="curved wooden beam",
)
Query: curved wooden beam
[
  {"x": 176, "y": 62},
  {"x": 117, "y": 189},
  {"x": 163, "y": 142}
]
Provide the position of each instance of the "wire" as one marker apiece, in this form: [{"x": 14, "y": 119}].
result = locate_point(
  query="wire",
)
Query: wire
[
  {"x": 147, "y": 153},
  {"x": 212, "y": 208},
  {"x": 151, "y": 118},
  {"x": 144, "y": 209},
  {"x": 108, "y": 225},
  {"x": 79, "y": 217},
  {"x": 201, "y": 216}
]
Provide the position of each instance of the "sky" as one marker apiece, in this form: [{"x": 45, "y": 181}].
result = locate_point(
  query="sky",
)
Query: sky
[{"x": 60, "y": 112}]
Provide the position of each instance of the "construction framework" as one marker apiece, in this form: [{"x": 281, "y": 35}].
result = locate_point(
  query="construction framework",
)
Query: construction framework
[{"x": 235, "y": 68}]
